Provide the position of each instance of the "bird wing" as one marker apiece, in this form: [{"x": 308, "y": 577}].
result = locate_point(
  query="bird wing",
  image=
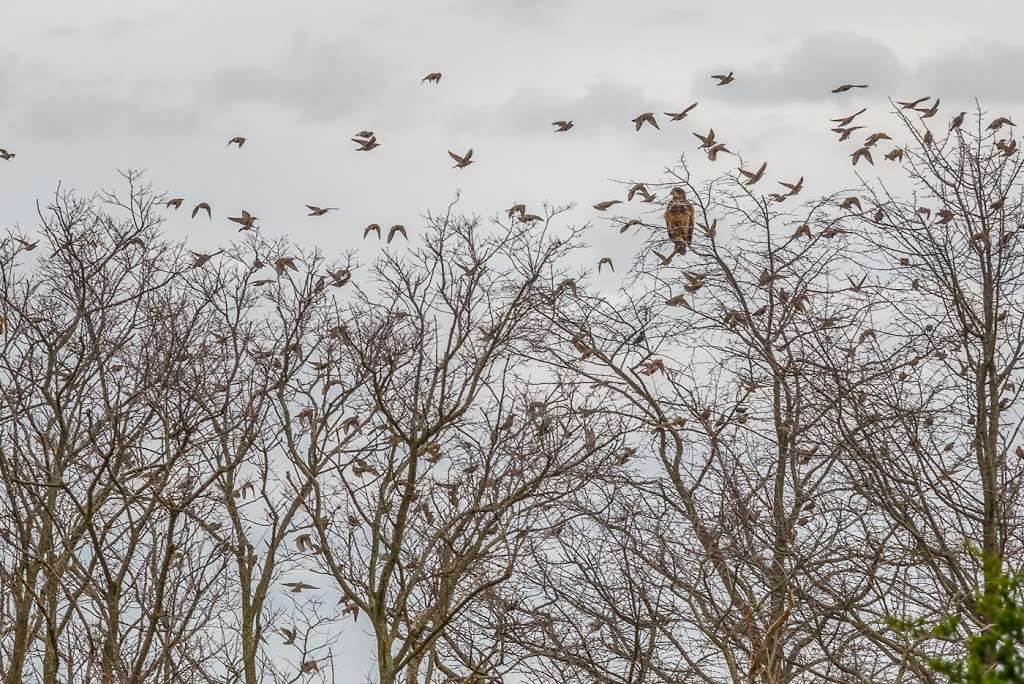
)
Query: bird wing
[{"x": 454, "y": 156}]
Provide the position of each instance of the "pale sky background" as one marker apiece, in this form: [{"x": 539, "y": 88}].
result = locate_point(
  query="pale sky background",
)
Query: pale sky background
[{"x": 89, "y": 87}]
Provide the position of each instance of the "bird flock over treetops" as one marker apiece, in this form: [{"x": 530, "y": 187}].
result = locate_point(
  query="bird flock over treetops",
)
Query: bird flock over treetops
[{"x": 679, "y": 213}]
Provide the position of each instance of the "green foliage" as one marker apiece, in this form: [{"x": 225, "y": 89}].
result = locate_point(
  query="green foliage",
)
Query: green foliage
[{"x": 995, "y": 655}]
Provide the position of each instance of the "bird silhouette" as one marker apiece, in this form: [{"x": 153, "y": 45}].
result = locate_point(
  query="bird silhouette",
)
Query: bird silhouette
[{"x": 463, "y": 161}]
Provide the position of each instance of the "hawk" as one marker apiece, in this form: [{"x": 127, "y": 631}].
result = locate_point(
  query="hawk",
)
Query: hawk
[{"x": 679, "y": 220}]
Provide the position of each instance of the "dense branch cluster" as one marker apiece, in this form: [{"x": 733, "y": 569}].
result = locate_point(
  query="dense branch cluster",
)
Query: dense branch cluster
[{"x": 776, "y": 458}]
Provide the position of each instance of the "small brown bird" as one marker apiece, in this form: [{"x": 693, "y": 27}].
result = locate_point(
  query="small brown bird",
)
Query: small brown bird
[
  {"x": 847, "y": 120},
  {"x": 283, "y": 264},
  {"x": 204, "y": 207},
  {"x": 246, "y": 220},
  {"x": 603, "y": 261},
  {"x": 715, "y": 149},
  {"x": 680, "y": 115},
  {"x": 309, "y": 666},
  {"x": 945, "y": 216},
  {"x": 850, "y": 202},
  {"x": 297, "y": 587},
  {"x": 794, "y": 188},
  {"x": 913, "y": 103},
  {"x": 875, "y": 137},
  {"x": 340, "y": 277},
  {"x": 998, "y": 123},
  {"x": 931, "y": 111},
  {"x": 366, "y": 145},
  {"x": 998, "y": 204},
  {"x": 395, "y": 230},
  {"x": 723, "y": 79},
  {"x": 895, "y": 154},
  {"x": 603, "y": 206},
  {"x": 463, "y": 161},
  {"x": 957, "y": 121},
  {"x": 237, "y": 140},
  {"x": 175, "y": 202},
  {"x": 648, "y": 118},
  {"x": 847, "y": 86},
  {"x": 6, "y": 155},
  {"x": 679, "y": 218},
  {"x": 199, "y": 259},
  {"x": 432, "y": 77},
  {"x": 372, "y": 228},
  {"x": 319, "y": 211},
  {"x": 863, "y": 152},
  {"x": 289, "y": 635},
  {"x": 26, "y": 245},
  {"x": 803, "y": 231},
  {"x": 845, "y": 133},
  {"x": 562, "y": 126},
  {"x": 753, "y": 177},
  {"x": 517, "y": 209},
  {"x": 706, "y": 141},
  {"x": 928, "y": 138}
]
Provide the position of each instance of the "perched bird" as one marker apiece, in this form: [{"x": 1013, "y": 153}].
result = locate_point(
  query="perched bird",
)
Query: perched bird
[
  {"x": 237, "y": 140},
  {"x": 679, "y": 220},
  {"x": 366, "y": 145},
  {"x": 753, "y": 177},
  {"x": 847, "y": 86},
  {"x": 175, "y": 202},
  {"x": 648, "y": 118},
  {"x": 395, "y": 230},
  {"x": 912, "y": 104},
  {"x": 847, "y": 120},
  {"x": 723, "y": 79},
  {"x": 603, "y": 206},
  {"x": 246, "y": 220},
  {"x": 931, "y": 111},
  {"x": 680, "y": 115},
  {"x": 204, "y": 206},
  {"x": 863, "y": 152},
  {"x": 372, "y": 228},
  {"x": 340, "y": 277},
  {"x": 945, "y": 216},
  {"x": 603, "y": 261},
  {"x": 463, "y": 161},
  {"x": 432, "y": 77},
  {"x": 6, "y": 155},
  {"x": 562, "y": 126},
  {"x": 319, "y": 211},
  {"x": 794, "y": 188},
  {"x": 517, "y": 209},
  {"x": 957, "y": 121}
]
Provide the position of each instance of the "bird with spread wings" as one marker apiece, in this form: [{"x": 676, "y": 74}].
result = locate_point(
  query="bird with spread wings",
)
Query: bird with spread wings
[{"x": 679, "y": 220}]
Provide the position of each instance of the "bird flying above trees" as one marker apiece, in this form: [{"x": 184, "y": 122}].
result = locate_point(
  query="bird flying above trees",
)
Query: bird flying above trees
[
  {"x": 648, "y": 118},
  {"x": 463, "y": 161},
  {"x": 680, "y": 115}
]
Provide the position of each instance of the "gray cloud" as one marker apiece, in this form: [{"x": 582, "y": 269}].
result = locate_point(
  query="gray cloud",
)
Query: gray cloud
[
  {"x": 818, "y": 64},
  {"x": 316, "y": 80},
  {"x": 989, "y": 71}
]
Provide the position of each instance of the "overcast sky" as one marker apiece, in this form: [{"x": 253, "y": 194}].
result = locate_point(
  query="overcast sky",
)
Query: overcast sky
[{"x": 87, "y": 88}]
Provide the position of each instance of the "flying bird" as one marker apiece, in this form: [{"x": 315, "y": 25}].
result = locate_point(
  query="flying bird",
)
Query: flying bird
[
  {"x": 26, "y": 245},
  {"x": 850, "y": 202},
  {"x": 847, "y": 86},
  {"x": 680, "y": 115},
  {"x": 706, "y": 141},
  {"x": 845, "y": 133},
  {"x": 679, "y": 220},
  {"x": 364, "y": 134},
  {"x": 432, "y": 77},
  {"x": 931, "y": 111},
  {"x": 366, "y": 145},
  {"x": 863, "y": 152},
  {"x": 723, "y": 79},
  {"x": 998, "y": 123},
  {"x": 602, "y": 206},
  {"x": 753, "y": 177},
  {"x": 463, "y": 161},
  {"x": 794, "y": 188},
  {"x": 875, "y": 137},
  {"x": 283, "y": 264},
  {"x": 372, "y": 228},
  {"x": 648, "y": 118},
  {"x": 237, "y": 140},
  {"x": 298, "y": 587},
  {"x": 246, "y": 220},
  {"x": 395, "y": 230},
  {"x": 895, "y": 154},
  {"x": 319, "y": 211},
  {"x": 6, "y": 155},
  {"x": 603, "y": 261},
  {"x": 847, "y": 120},
  {"x": 562, "y": 126},
  {"x": 174, "y": 202},
  {"x": 912, "y": 104},
  {"x": 204, "y": 206},
  {"x": 715, "y": 149}
]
